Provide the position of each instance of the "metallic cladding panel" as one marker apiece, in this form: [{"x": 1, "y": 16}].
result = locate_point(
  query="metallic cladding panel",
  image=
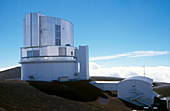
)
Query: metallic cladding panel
[
  {"x": 39, "y": 30},
  {"x": 27, "y": 31},
  {"x": 49, "y": 51},
  {"x": 141, "y": 78},
  {"x": 35, "y": 29},
  {"x": 83, "y": 58},
  {"x": 52, "y": 51},
  {"x": 148, "y": 91},
  {"x": 43, "y": 51},
  {"x": 129, "y": 89},
  {"x": 24, "y": 33},
  {"x": 106, "y": 86},
  {"x": 48, "y": 30},
  {"x": 48, "y": 71},
  {"x": 70, "y": 51},
  {"x": 67, "y": 33},
  {"x": 62, "y": 51}
]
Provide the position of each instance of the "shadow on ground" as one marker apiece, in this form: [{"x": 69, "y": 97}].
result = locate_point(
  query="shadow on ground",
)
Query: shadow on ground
[{"x": 77, "y": 90}]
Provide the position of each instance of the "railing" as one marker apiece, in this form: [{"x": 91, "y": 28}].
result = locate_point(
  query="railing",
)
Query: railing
[
  {"x": 47, "y": 58},
  {"x": 37, "y": 52},
  {"x": 50, "y": 56}
]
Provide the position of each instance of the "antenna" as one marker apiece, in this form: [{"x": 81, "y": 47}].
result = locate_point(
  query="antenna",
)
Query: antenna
[{"x": 144, "y": 70}]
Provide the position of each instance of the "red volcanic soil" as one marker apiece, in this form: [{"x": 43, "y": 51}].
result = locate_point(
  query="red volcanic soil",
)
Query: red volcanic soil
[
  {"x": 13, "y": 73},
  {"x": 163, "y": 90},
  {"x": 20, "y": 96},
  {"x": 101, "y": 78}
]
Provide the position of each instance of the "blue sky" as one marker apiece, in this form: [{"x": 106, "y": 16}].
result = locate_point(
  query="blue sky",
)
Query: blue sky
[{"x": 109, "y": 27}]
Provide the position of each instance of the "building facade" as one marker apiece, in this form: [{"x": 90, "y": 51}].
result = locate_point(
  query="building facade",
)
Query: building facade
[{"x": 49, "y": 53}]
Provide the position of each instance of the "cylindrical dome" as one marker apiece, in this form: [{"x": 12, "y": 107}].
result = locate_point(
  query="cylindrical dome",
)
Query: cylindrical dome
[{"x": 47, "y": 31}]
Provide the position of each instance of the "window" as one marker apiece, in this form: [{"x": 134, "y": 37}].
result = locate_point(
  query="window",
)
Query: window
[
  {"x": 33, "y": 53},
  {"x": 75, "y": 74},
  {"x": 36, "y": 53},
  {"x": 29, "y": 53},
  {"x": 62, "y": 51},
  {"x": 57, "y": 35},
  {"x": 58, "y": 42},
  {"x": 78, "y": 67},
  {"x": 68, "y": 45},
  {"x": 71, "y": 52}
]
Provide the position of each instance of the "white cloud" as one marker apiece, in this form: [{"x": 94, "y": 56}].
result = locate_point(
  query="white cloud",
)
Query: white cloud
[
  {"x": 160, "y": 73},
  {"x": 94, "y": 66},
  {"x": 131, "y": 54},
  {"x": 147, "y": 53}
]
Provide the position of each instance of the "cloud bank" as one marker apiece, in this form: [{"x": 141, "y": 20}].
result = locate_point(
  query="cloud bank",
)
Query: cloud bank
[
  {"x": 159, "y": 74},
  {"x": 131, "y": 54}
]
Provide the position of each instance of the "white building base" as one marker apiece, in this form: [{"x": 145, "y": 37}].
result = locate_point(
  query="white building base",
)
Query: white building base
[{"x": 45, "y": 71}]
